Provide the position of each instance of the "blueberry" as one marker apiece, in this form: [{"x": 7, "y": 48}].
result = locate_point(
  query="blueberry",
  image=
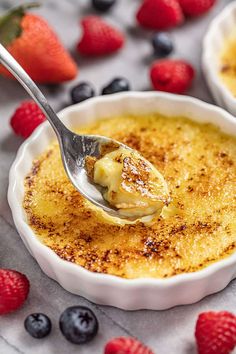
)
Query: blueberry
[
  {"x": 162, "y": 44},
  {"x": 78, "y": 324},
  {"x": 103, "y": 5},
  {"x": 38, "y": 325},
  {"x": 82, "y": 92},
  {"x": 117, "y": 85}
]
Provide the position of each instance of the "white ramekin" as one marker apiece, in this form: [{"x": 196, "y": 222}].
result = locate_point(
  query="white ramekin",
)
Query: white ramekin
[
  {"x": 220, "y": 29},
  {"x": 106, "y": 289}
]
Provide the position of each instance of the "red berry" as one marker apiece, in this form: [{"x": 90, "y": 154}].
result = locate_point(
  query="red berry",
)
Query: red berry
[
  {"x": 14, "y": 289},
  {"x": 196, "y": 7},
  {"x": 34, "y": 44},
  {"x": 26, "y": 118},
  {"x": 126, "y": 345},
  {"x": 216, "y": 332},
  {"x": 160, "y": 14},
  {"x": 171, "y": 75},
  {"x": 99, "y": 38}
]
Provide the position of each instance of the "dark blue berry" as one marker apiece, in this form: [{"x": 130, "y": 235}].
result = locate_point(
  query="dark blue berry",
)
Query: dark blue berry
[
  {"x": 103, "y": 5},
  {"x": 162, "y": 44},
  {"x": 82, "y": 92},
  {"x": 78, "y": 324},
  {"x": 38, "y": 325},
  {"x": 117, "y": 85}
]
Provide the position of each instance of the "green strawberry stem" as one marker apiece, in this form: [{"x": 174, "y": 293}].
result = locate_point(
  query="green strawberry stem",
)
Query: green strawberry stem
[{"x": 10, "y": 23}]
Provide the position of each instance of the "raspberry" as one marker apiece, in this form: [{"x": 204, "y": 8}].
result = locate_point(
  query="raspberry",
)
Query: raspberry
[
  {"x": 196, "y": 7},
  {"x": 26, "y": 118},
  {"x": 99, "y": 38},
  {"x": 160, "y": 14},
  {"x": 216, "y": 332},
  {"x": 126, "y": 345},
  {"x": 14, "y": 289},
  {"x": 171, "y": 75}
]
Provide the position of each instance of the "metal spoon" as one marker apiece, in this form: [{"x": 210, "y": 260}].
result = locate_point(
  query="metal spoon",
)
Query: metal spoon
[{"x": 74, "y": 147}]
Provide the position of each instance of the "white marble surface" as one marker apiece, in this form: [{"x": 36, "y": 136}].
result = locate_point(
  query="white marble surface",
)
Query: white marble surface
[{"x": 166, "y": 332}]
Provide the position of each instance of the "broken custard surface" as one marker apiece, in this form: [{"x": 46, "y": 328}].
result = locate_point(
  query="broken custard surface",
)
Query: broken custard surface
[{"x": 130, "y": 183}]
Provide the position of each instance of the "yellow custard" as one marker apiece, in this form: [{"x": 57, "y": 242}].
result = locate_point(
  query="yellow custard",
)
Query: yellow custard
[
  {"x": 198, "y": 163},
  {"x": 133, "y": 185},
  {"x": 228, "y": 63}
]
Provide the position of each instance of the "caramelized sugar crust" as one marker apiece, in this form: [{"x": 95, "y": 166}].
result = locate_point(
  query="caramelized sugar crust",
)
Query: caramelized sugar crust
[
  {"x": 196, "y": 229},
  {"x": 136, "y": 177}
]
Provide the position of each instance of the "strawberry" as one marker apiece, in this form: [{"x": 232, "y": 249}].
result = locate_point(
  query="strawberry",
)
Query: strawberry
[
  {"x": 216, "y": 332},
  {"x": 36, "y": 47},
  {"x": 160, "y": 14},
  {"x": 14, "y": 289},
  {"x": 26, "y": 118},
  {"x": 126, "y": 345},
  {"x": 99, "y": 38},
  {"x": 196, "y": 7},
  {"x": 171, "y": 75}
]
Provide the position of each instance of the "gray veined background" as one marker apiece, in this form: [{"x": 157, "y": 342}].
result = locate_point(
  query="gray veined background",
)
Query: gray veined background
[{"x": 166, "y": 332}]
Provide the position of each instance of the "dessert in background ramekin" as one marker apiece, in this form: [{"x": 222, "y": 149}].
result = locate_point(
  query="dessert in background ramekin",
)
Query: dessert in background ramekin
[{"x": 220, "y": 32}]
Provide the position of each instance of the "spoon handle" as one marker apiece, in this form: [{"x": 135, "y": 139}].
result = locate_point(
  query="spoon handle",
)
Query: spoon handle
[{"x": 7, "y": 60}]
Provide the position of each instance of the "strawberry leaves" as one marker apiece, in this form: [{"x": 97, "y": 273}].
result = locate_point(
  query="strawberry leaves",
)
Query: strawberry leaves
[{"x": 10, "y": 24}]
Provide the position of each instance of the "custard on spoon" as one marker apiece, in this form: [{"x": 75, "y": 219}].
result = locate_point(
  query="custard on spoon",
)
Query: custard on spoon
[{"x": 130, "y": 183}]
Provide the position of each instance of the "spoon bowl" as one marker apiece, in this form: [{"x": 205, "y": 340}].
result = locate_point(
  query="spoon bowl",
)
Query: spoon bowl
[{"x": 76, "y": 148}]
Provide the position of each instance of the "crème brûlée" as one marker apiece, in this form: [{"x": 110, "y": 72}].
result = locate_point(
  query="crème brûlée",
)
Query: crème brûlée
[
  {"x": 228, "y": 63},
  {"x": 197, "y": 228}
]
